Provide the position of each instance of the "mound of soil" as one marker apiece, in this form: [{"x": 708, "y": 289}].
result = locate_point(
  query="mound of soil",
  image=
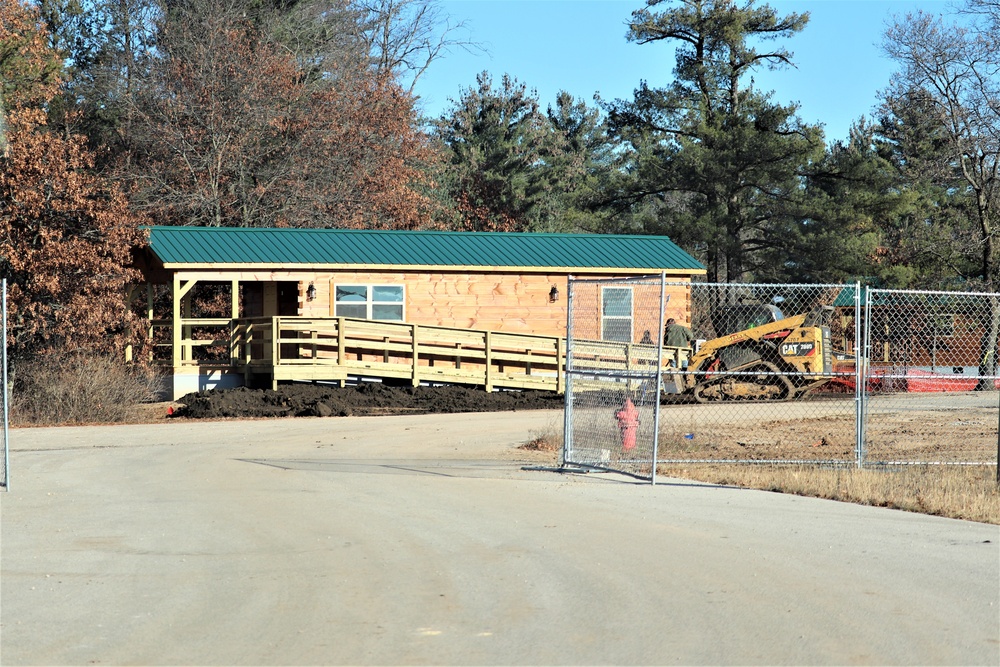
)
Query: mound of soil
[{"x": 307, "y": 400}]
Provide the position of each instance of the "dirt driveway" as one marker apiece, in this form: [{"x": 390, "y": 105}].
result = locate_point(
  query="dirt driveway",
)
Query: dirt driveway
[{"x": 421, "y": 540}]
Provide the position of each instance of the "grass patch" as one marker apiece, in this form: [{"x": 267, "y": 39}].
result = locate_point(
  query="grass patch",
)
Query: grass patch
[
  {"x": 549, "y": 439},
  {"x": 958, "y": 492}
]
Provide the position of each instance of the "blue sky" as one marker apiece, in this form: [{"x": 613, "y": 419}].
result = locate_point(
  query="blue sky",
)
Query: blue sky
[{"x": 579, "y": 46}]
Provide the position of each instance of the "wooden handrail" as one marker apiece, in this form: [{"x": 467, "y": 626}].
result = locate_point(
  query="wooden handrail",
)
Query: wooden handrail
[{"x": 335, "y": 347}]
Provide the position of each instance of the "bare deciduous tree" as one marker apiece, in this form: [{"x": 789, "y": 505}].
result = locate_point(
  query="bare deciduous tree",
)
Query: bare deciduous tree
[
  {"x": 405, "y": 36},
  {"x": 233, "y": 130},
  {"x": 954, "y": 70}
]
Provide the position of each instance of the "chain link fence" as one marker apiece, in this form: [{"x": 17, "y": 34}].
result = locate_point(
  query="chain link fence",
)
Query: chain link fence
[
  {"x": 770, "y": 377},
  {"x": 792, "y": 374},
  {"x": 931, "y": 377}
]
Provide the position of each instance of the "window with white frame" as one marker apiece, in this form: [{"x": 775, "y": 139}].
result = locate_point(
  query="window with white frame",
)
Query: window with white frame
[
  {"x": 370, "y": 302},
  {"x": 616, "y": 313}
]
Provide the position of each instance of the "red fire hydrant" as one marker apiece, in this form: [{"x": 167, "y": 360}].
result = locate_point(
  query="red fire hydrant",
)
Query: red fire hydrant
[{"x": 628, "y": 424}]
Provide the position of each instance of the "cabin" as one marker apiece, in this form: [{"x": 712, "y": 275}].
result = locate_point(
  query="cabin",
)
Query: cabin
[
  {"x": 938, "y": 332},
  {"x": 244, "y": 306}
]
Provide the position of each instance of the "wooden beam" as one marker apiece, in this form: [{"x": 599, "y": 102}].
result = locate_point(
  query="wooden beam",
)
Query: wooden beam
[
  {"x": 175, "y": 322},
  {"x": 184, "y": 287},
  {"x": 489, "y": 361},
  {"x": 561, "y": 365},
  {"x": 416, "y": 355},
  {"x": 396, "y": 350},
  {"x": 149, "y": 318}
]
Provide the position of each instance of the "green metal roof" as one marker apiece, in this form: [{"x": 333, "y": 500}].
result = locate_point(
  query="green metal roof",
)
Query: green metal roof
[
  {"x": 908, "y": 298},
  {"x": 177, "y": 246}
]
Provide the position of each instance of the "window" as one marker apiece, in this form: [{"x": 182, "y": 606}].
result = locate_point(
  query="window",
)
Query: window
[
  {"x": 942, "y": 326},
  {"x": 369, "y": 302},
  {"x": 616, "y": 314}
]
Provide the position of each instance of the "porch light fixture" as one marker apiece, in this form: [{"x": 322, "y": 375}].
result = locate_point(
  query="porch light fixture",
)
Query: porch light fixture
[
  {"x": 310, "y": 292},
  {"x": 553, "y": 294}
]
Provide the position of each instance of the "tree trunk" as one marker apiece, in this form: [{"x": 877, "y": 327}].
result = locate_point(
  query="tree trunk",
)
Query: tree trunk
[{"x": 988, "y": 349}]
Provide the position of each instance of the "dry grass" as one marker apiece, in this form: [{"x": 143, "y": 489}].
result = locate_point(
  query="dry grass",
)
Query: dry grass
[
  {"x": 548, "y": 439},
  {"x": 79, "y": 389},
  {"x": 958, "y": 492}
]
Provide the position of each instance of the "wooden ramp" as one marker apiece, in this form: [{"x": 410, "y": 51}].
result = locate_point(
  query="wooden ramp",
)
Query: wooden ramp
[
  {"x": 333, "y": 349},
  {"x": 275, "y": 349}
]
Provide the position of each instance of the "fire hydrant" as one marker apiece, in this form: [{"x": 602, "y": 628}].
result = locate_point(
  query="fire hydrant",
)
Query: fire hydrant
[{"x": 628, "y": 424}]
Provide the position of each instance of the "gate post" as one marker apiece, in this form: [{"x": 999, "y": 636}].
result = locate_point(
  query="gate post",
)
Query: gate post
[
  {"x": 659, "y": 377},
  {"x": 568, "y": 377},
  {"x": 861, "y": 368}
]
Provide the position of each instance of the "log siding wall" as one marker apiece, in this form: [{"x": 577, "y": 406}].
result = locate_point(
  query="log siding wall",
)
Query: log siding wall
[
  {"x": 508, "y": 302},
  {"x": 496, "y": 301}
]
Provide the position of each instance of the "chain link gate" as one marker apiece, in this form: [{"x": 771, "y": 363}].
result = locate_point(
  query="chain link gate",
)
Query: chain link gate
[
  {"x": 613, "y": 355},
  {"x": 931, "y": 378}
]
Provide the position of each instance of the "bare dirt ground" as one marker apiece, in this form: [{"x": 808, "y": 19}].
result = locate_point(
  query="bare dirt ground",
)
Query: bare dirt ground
[
  {"x": 944, "y": 427},
  {"x": 941, "y": 427},
  {"x": 310, "y": 400}
]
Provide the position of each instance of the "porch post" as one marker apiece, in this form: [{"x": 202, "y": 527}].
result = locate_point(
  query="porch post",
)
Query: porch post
[
  {"x": 175, "y": 334},
  {"x": 149, "y": 317},
  {"x": 175, "y": 322},
  {"x": 234, "y": 313}
]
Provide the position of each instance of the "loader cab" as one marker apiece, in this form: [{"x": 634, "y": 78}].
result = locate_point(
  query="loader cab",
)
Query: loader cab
[{"x": 739, "y": 317}]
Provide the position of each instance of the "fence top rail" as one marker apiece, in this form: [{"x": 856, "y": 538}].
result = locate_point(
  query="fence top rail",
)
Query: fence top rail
[
  {"x": 950, "y": 293},
  {"x": 770, "y": 285},
  {"x": 625, "y": 279}
]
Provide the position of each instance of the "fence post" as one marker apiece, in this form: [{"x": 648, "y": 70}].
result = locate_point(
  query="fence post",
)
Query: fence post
[
  {"x": 568, "y": 409},
  {"x": 6, "y": 393},
  {"x": 860, "y": 360},
  {"x": 862, "y": 379},
  {"x": 659, "y": 378}
]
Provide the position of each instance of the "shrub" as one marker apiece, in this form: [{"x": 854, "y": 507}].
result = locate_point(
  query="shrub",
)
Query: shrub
[{"x": 78, "y": 389}]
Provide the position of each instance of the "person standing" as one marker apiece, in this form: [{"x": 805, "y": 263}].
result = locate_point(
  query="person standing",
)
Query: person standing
[{"x": 677, "y": 335}]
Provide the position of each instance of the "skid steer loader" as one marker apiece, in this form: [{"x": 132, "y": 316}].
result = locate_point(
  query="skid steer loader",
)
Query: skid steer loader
[{"x": 760, "y": 355}]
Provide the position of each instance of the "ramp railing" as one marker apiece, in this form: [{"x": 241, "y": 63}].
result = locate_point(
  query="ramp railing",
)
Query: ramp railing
[{"x": 305, "y": 348}]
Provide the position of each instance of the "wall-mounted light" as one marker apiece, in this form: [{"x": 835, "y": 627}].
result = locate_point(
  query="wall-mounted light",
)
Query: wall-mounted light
[
  {"x": 553, "y": 294},
  {"x": 310, "y": 292}
]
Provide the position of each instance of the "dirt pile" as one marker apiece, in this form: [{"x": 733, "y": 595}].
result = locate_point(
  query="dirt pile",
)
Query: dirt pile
[{"x": 307, "y": 400}]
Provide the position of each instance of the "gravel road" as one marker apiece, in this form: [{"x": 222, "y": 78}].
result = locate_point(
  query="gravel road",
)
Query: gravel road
[{"x": 421, "y": 540}]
